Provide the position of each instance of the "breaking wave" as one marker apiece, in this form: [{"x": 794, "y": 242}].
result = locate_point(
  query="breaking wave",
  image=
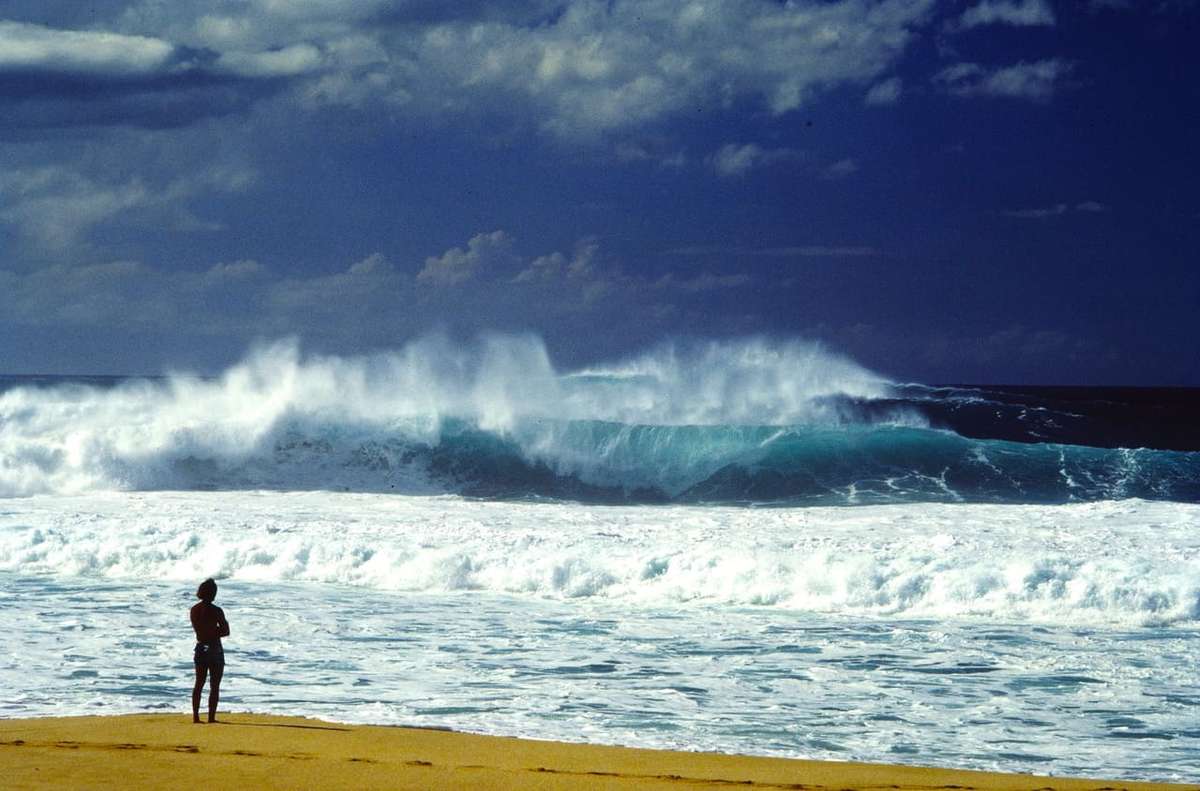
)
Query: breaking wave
[{"x": 745, "y": 422}]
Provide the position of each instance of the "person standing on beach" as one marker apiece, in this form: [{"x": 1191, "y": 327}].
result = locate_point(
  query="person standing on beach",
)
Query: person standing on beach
[{"x": 208, "y": 620}]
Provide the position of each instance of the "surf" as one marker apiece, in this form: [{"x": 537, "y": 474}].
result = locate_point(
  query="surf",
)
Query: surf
[{"x": 744, "y": 422}]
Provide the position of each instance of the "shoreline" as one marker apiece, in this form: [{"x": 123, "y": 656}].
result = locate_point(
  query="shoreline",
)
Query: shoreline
[{"x": 269, "y": 751}]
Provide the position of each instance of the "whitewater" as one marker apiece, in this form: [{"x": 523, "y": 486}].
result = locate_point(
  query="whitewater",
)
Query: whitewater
[{"x": 750, "y": 546}]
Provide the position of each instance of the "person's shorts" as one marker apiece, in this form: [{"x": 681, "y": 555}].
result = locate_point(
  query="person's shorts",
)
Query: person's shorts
[{"x": 209, "y": 656}]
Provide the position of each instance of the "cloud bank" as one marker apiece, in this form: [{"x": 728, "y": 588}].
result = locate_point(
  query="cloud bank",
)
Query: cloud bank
[
  {"x": 577, "y": 71},
  {"x": 485, "y": 284}
]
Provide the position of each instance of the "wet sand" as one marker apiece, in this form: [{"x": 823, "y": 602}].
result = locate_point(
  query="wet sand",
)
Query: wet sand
[{"x": 258, "y": 751}]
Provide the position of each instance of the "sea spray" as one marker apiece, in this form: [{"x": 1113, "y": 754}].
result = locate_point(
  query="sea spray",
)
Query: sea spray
[
  {"x": 743, "y": 422},
  {"x": 146, "y": 434}
]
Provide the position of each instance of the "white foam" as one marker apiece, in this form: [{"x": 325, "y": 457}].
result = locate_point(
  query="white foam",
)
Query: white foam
[
  {"x": 1047, "y": 639},
  {"x": 1111, "y": 563}
]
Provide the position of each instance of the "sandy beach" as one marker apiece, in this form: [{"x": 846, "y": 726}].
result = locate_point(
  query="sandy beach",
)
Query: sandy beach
[{"x": 258, "y": 751}]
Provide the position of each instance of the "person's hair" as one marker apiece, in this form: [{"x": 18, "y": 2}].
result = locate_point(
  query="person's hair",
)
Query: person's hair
[{"x": 207, "y": 590}]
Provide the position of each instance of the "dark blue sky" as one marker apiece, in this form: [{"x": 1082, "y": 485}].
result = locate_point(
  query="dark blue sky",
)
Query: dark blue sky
[{"x": 977, "y": 191}]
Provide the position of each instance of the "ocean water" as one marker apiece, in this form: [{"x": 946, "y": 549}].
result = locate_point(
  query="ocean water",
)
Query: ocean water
[{"x": 752, "y": 546}]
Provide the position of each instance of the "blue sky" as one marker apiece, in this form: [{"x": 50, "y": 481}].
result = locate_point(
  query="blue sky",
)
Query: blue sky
[{"x": 977, "y": 191}]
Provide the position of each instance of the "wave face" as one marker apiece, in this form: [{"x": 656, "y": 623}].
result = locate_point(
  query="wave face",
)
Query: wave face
[{"x": 738, "y": 422}]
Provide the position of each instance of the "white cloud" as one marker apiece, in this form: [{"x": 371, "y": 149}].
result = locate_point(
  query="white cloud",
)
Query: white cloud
[
  {"x": 886, "y": 92},
  {"x": 374, "y": 264},
  {"x": 1040, "y": 213},
  {"x": 221, "y": 33},
  {"x": 85, "y": 78},
  {"x": 1020, "y": 13},
  {"x": 286, "y": 62},
  {"x": 733, "y": 159},
  {"x": 38, "y": 48},
  {"x": 840, "y": 169},
  {"x": 85, "y": 295},
  {"x": 1038, "y": 80},
  {"x": 55, "y": 207},
  {"x": 584, "y": 263},
  {"x": 221, "y": 274},
  {"x": 458, "y": 265},
  {"x": 959, "y": 74},
  {"x": 606, "y": 66},
  {"x": 369, "y": 301},
  {"x": 579, "y": 70},
  {"x": 542, "y": 269},
  {"x": 659, "y": 150}
]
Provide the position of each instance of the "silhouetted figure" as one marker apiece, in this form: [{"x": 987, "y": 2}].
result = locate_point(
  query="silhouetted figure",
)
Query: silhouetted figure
[{"x": 209, "y": 622}]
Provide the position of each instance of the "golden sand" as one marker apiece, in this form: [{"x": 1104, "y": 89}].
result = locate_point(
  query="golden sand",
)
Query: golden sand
[{"x": 256, "y": 751}]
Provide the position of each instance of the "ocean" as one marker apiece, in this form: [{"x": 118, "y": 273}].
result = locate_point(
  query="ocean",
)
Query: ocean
[{"x": 752, "y": 546}]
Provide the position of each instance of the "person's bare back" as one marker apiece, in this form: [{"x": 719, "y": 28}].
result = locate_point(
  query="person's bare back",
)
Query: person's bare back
[
  {"x": 208, "y": 620},
  {"x": 209, "y": 624}
]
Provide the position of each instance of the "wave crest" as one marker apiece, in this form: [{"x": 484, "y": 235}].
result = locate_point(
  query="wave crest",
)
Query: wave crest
[{"x": 267, "y": 418}]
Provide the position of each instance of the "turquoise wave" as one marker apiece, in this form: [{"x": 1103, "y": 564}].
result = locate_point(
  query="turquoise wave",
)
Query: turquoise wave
[{"x": 600, "y": 461}]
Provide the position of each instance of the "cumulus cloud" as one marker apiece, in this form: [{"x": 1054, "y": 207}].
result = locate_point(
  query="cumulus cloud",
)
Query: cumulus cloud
[
  {"x": 584, "y": 263},
  {"x": 1019, "y": 13},
  {"x": 484, "y": 283},
  {"x": 606, "y": 66},
  {"x": 371, "y": 289},
  {"x": 374, "y": 264},
  {"x": 370, "y": 301},
  {"x": 886, "y": 92},
  {"x": 1037, "y": 81},
  {"x": 577, "y": 70},
  {"x": 86, "y": 295},
  {"x": 55, "y": 207},
  {"x": 459, "y": 265},
  {"x": 580, "y": 70},
  {"x": 733, "y": 159},
  {"x": 240, "y": 271}
]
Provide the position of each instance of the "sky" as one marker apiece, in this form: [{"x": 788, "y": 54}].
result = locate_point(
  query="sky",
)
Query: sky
[{"x": 946, "y": 191}]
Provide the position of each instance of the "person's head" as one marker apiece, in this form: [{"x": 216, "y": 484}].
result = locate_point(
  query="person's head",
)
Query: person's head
[{"x": 207, "y": 590}]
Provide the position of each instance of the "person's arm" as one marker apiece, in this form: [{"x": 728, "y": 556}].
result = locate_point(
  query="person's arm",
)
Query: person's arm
[{"x": 222, "y": 624}]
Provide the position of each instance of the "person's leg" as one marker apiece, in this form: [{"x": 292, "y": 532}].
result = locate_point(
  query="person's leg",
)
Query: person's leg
[
  {"x": 201, "y": 671},
  {"x": 214, "y": 691}
]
